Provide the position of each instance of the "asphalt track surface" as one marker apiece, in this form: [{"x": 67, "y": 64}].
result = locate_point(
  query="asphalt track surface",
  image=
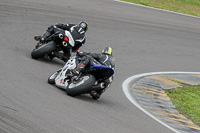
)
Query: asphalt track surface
[{"x": 144, "y": 40}]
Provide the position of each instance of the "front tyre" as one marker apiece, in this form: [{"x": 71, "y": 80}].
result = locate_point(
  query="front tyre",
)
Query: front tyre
[
  {"x": 43, "y": 50},
  {"x": 51, "y": 79},
  {"x": 81, "y": 86}
]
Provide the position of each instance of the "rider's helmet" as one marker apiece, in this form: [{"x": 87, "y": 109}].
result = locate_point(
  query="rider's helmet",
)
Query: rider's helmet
[
  {"x": 83, "y": 25},
  {"x": 107, "y": 50}
]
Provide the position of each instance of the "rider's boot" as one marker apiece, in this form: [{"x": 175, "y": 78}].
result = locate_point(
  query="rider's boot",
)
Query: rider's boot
[
  {"x": 46, "y": 35},
  {"x": 95, "y": 95},
  {"x": 42, "y": 38},
  {"x": 37, "y": 38}
]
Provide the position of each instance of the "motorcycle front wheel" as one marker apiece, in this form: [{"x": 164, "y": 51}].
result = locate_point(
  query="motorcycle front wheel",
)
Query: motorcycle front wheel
[
  {"x": 43, "y": 50},
  {"x": 51, "y": 79},
  {"x": 81, "y": 86}
]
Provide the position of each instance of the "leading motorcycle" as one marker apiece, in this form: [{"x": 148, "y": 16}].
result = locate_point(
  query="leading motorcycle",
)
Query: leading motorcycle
[
  {"x": 53, "y": 44},
  {"x": 92, "y": 78}
]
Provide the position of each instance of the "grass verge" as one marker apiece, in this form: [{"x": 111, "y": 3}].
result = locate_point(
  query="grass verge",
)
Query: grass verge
[
  {"x": 191, "y": 7},
  {"x": 187, "y": 101}
]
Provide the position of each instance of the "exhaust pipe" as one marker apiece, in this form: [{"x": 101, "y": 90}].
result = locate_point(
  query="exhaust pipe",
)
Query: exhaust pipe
[
  {"x": 64, "y": 43},
  {"x": 60, "y": 36},
  {"x": 102, "y": 85}
]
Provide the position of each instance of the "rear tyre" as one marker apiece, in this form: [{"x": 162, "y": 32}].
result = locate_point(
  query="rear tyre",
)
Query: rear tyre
[
  {"x": 81, "y": 86},
  {"x": 43, "y": 50}
]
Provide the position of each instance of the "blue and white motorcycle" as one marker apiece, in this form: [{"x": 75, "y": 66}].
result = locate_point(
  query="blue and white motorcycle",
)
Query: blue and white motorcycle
[{"x": 92, "y": 78}]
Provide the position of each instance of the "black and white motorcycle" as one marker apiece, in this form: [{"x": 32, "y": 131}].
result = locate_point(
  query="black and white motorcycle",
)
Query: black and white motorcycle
[
  {"x": 92, "y": 78},
  {"x": 53, "y": 44}
]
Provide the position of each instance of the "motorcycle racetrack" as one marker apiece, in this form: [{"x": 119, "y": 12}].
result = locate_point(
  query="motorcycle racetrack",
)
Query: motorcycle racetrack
[{"x": 143, "y": 40}]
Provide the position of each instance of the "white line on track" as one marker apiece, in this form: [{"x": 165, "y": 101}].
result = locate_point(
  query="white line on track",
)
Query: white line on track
[
  {"x": 156, "y": 8},
  {"x": 127, "y": 85}
]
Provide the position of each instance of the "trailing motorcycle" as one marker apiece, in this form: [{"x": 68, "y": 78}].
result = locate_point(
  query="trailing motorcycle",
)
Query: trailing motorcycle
[
  {"x": 92, "y": 78},
  {"x": 53, "y": 44}
]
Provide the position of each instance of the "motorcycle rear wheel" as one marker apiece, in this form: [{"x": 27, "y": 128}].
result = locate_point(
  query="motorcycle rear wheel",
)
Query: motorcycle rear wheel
[
  {"x": 43, "y": 50},
  {"x": 83, "y": 85}
]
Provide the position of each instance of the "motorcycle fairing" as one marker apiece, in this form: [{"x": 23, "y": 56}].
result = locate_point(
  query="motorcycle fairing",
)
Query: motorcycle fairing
[
  {"x": 60, "y": 80},
  {"x": 101, "y": 72}
]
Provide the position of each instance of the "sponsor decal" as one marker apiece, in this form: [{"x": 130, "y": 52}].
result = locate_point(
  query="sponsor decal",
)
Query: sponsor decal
[{"x": 61, "y": 80}]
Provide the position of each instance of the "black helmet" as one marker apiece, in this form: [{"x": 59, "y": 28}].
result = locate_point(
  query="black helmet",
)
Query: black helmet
[
  {"x": 83, "y": 25},
  {"x": 107, "y": 50}
]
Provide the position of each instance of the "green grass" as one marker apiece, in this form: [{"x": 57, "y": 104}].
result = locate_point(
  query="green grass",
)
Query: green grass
[
  {"x": 191, "y": 7},
  {"x": 187, "y": 101}
]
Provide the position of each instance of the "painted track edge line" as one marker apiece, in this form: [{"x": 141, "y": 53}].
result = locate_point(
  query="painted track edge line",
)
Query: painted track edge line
[
  {"x": 157, "y": 9},
  {"x": 129, "y": 81}
]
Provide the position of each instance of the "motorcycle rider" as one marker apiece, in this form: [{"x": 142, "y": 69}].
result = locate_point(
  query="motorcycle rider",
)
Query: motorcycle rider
[
  {"x": 104, "y": 58},
  {"x": 76, "y": 38}
]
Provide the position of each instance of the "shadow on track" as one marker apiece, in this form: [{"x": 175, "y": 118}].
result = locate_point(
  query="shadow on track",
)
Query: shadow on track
[
  {"x": 48, "y": 61},
  {"x": 84, "y": 97}
]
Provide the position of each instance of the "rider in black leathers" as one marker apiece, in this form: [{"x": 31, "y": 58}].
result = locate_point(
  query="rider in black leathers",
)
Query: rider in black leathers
[
  {"x": 77, "y": 33},
  {"x": 104, "y": 58}
]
